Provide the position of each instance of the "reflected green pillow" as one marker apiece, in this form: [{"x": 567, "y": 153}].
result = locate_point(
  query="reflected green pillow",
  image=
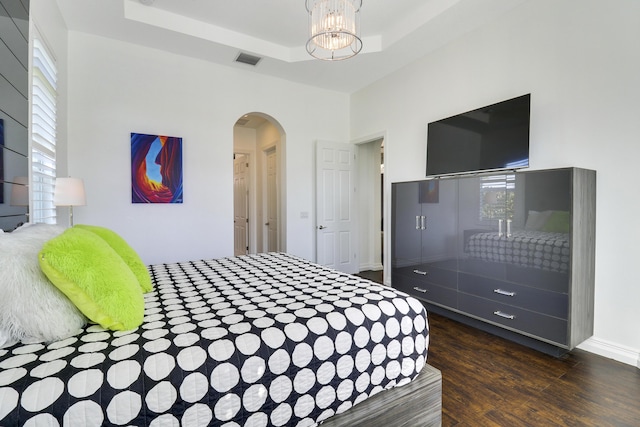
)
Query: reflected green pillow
[{"x": 558, "y": 222}]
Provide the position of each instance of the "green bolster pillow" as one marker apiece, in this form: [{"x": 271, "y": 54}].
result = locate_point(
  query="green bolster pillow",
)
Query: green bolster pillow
[
  {"x": 95, "y": 278},
  {"x": 128, "y": 254}
]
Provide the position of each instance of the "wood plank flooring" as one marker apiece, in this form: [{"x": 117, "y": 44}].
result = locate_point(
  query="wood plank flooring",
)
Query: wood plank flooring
[{"x": 490, "y": 381}]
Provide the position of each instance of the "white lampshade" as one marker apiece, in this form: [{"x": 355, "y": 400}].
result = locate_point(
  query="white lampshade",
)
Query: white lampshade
[
  {"x": 69, "y": 192},
  {"x": 20, "y": 191}
]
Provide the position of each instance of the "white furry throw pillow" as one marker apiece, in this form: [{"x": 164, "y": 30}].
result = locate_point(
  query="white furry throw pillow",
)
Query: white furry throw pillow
[{"x": 31, "y": 308}]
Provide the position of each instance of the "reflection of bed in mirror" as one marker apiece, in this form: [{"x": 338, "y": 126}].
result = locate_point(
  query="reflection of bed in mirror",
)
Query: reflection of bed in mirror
[
  {"x": 525, "y": 248},
  {"x": 539, "y": 254}
]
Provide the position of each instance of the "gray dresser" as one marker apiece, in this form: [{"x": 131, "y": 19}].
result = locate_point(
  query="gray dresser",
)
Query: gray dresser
[{"x": 511, "y": 253}]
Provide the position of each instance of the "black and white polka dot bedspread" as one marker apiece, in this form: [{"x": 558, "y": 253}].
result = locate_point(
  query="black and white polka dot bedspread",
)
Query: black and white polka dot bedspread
[{"x": 260, "y": 340}]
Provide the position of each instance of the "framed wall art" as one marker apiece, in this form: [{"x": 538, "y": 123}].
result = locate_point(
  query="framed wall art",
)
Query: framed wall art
[{"x": 156, "y": 169}]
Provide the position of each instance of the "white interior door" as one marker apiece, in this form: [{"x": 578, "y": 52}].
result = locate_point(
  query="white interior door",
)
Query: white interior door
[
  {"x": 240, "y": 204},
  {"x": 271, "y": 224},
  {"x": 335, "y": 195}
]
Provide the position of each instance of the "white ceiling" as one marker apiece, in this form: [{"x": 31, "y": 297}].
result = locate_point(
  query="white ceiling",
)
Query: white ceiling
[{"x": 394, "y": 32}]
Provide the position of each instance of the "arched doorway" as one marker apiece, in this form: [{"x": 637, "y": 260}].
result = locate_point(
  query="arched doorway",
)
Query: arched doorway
[{"x": 259, "y": 190}]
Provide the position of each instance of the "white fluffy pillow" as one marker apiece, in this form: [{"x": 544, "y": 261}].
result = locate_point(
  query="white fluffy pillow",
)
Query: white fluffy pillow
[{"x": 31, "y": 308}]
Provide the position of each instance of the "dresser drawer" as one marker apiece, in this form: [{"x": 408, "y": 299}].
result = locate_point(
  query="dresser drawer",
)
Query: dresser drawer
[
  {"x": 426, "y": 291},
  {"x": 536, "y": 324},
  {"x": 537, "y": 278},
  {"x": 551, "y": 303},
  {"x": 431, "y": 273},
  {"x": 477, "y": 267}
]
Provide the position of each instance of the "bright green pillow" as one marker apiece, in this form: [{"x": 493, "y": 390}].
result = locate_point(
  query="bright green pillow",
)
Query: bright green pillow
[
  {"x": 122, "y": 248},
  {"x": 558, "y": 222},
  {"x": 94, "y": 277}
]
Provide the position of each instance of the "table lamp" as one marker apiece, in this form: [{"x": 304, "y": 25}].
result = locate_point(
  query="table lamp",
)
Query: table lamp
[{"x": 69, "y": 192}]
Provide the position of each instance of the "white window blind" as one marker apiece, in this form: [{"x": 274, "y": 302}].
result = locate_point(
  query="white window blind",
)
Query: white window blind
[{"x": 43, "y": 134}]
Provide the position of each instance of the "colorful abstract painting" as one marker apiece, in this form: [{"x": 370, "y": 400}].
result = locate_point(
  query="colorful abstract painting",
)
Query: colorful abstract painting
[{"x": 156, "y": 169}]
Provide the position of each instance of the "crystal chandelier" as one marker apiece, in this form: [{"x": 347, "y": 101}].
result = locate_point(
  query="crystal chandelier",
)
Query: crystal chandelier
[{"x": 334, "y": 27}]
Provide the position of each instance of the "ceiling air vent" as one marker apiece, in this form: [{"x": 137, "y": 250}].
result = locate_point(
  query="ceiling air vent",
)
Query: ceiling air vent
[{"x": 245, "y": 58}]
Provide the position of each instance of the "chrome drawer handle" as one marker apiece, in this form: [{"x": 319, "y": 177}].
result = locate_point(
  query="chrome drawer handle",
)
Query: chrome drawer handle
[
  {"x": 415, "y": 288},
  {"x": 424, "y": 273},
  {"x": 505, "y": 315},
  {"x": 505, "y": 293}
]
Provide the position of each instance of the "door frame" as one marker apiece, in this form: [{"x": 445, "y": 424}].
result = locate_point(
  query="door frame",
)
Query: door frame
[
  {"x": 370, "y": 197},
  {"x": 264, "y": 153},
  {"x": 252, "y": 211},
  {"x": 385, "y": 208}
]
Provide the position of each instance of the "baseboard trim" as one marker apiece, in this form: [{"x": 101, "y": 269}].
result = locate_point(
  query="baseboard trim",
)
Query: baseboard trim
[{"x": 611, "y": 350}]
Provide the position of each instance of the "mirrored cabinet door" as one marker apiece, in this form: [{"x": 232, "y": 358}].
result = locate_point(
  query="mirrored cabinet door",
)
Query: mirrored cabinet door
[
  {"x": 14, "y": 113},
  {"x": 406, "y": 227}
]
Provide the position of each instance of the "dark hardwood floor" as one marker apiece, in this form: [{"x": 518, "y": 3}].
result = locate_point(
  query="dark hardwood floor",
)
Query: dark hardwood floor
[{"x": 490, "y": 381}]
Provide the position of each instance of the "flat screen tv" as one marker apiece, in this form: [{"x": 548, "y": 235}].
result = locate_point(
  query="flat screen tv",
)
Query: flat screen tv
[{"x": 495, "y": 137}]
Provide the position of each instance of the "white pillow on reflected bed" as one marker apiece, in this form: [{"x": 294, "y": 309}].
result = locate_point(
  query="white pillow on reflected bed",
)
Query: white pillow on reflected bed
[{"x": 31, "y": 308}]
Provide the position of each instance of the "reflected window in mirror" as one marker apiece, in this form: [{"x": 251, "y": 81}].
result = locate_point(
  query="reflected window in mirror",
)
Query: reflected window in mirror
[{"x": 497, "y": 197}]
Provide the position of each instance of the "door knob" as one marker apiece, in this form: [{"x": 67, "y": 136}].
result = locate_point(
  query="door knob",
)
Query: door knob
[
  {"x": 266, "y": 223},
  {"x": 321, "y": 227}
]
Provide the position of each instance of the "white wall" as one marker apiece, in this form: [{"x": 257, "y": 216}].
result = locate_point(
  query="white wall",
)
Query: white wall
[
  {"x": 580, "y": 61},
  {"x": 118, "y": 88}
]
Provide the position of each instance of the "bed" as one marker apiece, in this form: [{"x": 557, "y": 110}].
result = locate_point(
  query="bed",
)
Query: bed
[{"x": 258, "y": 340}]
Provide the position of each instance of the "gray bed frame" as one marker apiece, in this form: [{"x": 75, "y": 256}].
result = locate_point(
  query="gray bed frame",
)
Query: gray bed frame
[{"x": 417, "y": 404}]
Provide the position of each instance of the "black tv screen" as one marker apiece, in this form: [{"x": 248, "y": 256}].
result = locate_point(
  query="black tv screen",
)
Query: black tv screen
[{"x": 494, "y": 137}]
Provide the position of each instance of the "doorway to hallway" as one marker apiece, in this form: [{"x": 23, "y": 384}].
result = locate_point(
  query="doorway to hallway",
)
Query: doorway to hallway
[
  {"x": 258, "y": 141},
  {"x": 371, "y": 201}
]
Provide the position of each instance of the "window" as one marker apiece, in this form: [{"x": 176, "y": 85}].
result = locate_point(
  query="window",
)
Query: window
[
  {"x": 497, "y": 196},
  {"x": 43, "y": 134}
]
